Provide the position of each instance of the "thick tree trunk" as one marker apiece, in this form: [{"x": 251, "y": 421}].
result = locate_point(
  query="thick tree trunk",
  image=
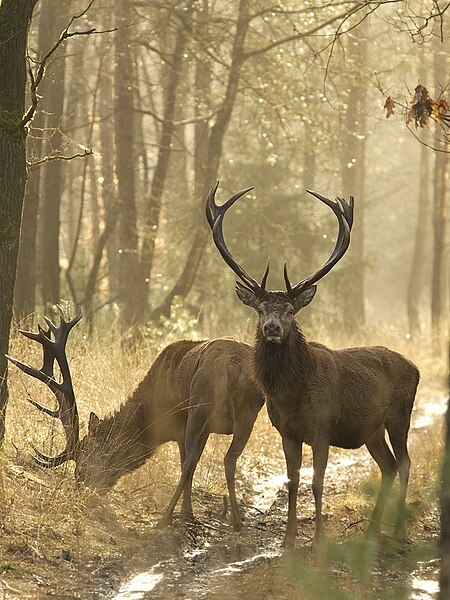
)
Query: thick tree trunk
[
  {"x": 15, "y": 17},
  {"x": 53, "y": 171}
]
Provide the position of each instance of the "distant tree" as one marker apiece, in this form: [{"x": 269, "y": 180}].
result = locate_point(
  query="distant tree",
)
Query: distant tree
[
  {"x": 52, "y": 172},
  {"x": 15, "y": 18}
]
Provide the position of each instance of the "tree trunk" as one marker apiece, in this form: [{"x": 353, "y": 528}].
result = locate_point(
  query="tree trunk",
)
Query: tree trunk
[
  {"x": 15, "y": 17},
  {"x": 353, "y": 177},
  {"x": 215, "y": 144},
  {"x": 444, "y": 542},
  {"x": 125, "y": 170},
  {"x": 440, "y": 269},
  {"x": 25, "y": 291},
  {"x": 53, "y": 171},
  {"x": 416, "y": 278},
  {"x": 153, "y": 209}
]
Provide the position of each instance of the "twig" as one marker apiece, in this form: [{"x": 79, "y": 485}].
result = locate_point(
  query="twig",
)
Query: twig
[
  {"x": 34, "y": 164},
  {"x": 37, "y": 77}
]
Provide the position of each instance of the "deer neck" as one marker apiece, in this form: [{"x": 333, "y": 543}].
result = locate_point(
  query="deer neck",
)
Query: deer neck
[
  {"x": 283, "y": 369},
  {"x": 126, "y": 437}
]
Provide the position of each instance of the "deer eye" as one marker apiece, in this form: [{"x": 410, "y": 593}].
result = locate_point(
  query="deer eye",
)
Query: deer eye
[{"x": 290, "y": 311}]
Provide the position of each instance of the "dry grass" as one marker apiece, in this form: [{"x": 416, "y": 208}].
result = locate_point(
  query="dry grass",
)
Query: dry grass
[{"x": 53, "y": 537}]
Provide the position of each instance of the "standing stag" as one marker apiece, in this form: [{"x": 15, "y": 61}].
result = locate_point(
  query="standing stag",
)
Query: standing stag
[
  {"x": 193, "y": 388},
  {"x": 323, "y": 397}
]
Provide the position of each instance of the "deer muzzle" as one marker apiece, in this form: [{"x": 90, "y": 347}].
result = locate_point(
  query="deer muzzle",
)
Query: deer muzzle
[{"x": 272, "y": 331}]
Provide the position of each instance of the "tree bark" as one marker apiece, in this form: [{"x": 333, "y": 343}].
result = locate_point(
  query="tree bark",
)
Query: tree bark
[{"x": 15, "y": 18}]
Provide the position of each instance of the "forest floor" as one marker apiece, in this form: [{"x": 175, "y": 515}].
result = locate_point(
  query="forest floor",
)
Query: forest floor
[{"x": 58, "y": 542}]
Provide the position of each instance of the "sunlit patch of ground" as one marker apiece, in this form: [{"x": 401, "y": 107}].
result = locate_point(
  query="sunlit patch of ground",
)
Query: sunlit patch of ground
[{"x": 57, "y": 542}]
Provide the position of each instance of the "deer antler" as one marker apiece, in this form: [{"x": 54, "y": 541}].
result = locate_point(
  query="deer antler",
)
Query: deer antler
[
  {"x": 344, "y": 214},
  {"x": 215, "y": 215},
  {"x": 340, "y": 207},
  {"x": 65, "y": 396}
]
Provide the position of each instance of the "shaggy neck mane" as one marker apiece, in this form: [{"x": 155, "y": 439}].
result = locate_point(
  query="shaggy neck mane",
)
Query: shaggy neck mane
[
  {"x": 283, "y": 368},
  {"x": 125, "y": 435}
]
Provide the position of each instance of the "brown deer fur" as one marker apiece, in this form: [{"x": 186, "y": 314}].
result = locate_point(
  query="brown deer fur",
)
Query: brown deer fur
[
  {"x": 323, "y": 397},
  {"x": 191, "y": 390},
  {"x": 344, "y": 398}
]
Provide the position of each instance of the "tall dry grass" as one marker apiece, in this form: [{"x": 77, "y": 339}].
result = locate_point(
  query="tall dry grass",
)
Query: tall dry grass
[{"x": 46, "y": 523}]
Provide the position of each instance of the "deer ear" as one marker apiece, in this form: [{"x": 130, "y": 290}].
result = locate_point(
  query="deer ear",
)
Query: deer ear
[
  {"x": 305, "y": 298},
  {"x": 94, "y": 422},
  {"x": 246, "y": 296}
]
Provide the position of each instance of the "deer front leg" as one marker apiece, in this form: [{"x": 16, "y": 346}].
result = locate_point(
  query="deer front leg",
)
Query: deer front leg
[
  {"x": 293, "y": 455},
  {"x": 320, "y": 459}
]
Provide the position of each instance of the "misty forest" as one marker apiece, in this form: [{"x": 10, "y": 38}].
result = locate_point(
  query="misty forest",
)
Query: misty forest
[{"x": 153, "y": 153}]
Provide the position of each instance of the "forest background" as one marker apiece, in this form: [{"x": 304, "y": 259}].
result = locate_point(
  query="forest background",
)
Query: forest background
[
  {"x": 122, "y": 114},
  {"x": 128, "y": 129}
]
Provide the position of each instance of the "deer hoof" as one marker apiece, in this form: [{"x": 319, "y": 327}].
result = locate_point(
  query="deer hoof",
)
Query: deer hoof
[
  {"x": 288, "y": 542},
  {"x": 237, "y": 525},
  {"x": 165, "y": 522}
]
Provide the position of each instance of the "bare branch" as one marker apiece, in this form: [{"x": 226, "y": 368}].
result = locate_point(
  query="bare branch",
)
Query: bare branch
[
  {"x": 32, "y": 165},
  {"x": 37, "y": 77}
]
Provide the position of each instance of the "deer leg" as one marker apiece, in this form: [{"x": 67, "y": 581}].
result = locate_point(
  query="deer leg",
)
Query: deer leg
[
  {"x": 384, "y": 458},
  {"x": 293, "y": 455},
  {"x": 192, "y": 457},
  {"x": 240, "y": 438},
  {"x": 320, "y": 460},
  {"x": 398, "y": 441},
  {"x": 194, "y": 445}
]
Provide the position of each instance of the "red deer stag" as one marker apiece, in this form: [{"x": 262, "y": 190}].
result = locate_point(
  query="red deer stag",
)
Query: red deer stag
[
  {"x": 193, "y": 388},
  {"x": 323, "y": 397}
]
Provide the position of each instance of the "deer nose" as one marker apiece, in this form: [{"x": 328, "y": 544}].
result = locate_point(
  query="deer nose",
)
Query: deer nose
[{"x": 272, "y": 328}]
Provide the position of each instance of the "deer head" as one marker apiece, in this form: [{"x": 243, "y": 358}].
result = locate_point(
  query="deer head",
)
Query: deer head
[{"x": 276, "y": 309}]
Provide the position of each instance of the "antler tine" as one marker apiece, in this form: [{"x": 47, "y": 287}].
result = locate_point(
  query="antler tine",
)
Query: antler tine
[
  {"x": 65, "y": 396},
  {"x": 344, "y": 213},
  {"x": 213, "y": 210},
  {"x": 215, "y": 215}
]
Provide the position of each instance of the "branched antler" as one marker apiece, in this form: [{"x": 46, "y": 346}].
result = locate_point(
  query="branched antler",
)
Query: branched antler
[
  {"x": 55, "y": 349},
  {"x": 343, "y": 211}
]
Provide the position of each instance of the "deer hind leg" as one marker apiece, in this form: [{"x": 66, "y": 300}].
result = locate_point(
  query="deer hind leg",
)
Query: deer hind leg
[
  {"x": 195, "y": 441},
  {"x": 293, "y": 455},
  {"x": 384, "y": 458},
  {"x": 240, "y": 438},
  {"x": 398, "y": 439}
]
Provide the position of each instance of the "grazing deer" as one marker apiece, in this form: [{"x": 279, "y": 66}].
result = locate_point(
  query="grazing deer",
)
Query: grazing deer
[
  {"x": 193, "y": 388},
  {"x": 323, "y": 397}
]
